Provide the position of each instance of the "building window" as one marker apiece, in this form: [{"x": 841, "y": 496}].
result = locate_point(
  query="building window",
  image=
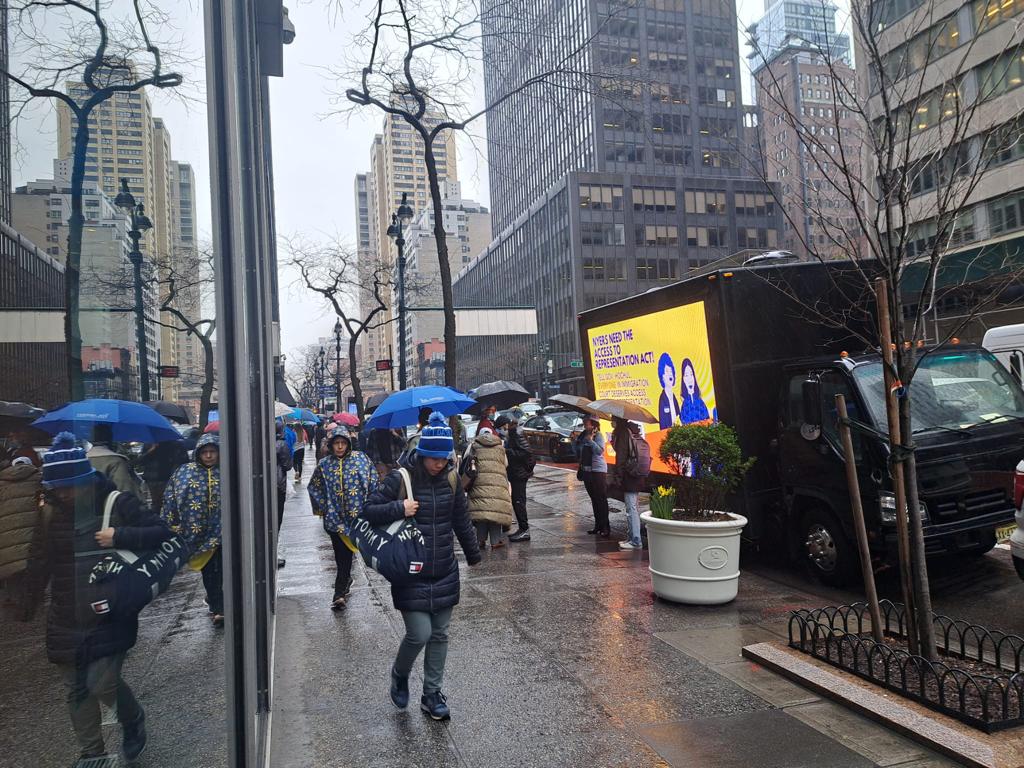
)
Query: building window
[
  {"x": 705, "y": 202},
  {"x": 755, "y": 237},
  {"x": 652, "y": 199},
  {"x": 1006, "y": 214},
  {"x": 653, "y": 235},
  {"x": 1001, "y": 74},
  {"x": 597, "y": 198},
  {"x": 601, "y": 233},
  {"x": 988, "y": 13},
  {"x": 670, "y": 93},
  {"x": 754, "y": 204},
  {"x": 703, "y": 237},
  {"x": 673, "y": 156}
]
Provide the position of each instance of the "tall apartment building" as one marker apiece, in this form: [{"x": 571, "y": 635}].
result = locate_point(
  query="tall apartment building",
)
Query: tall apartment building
[
  {"x": 797, "y": 56},
  {"x": 467, "y": 225},
  {"x": 598, "y": 197},
  {"x": 365, "y": 191},
  {"x": 189, "y": 262},
  {"x": 397, "y": 166},
  {"x": 803, "y": 23},
  {"x": 955, "y": 69},
  {"x": 44, "y": 206}
]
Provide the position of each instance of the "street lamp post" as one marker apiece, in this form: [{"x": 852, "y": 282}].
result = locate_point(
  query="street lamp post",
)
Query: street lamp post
[
  {"x": 139, "y": 224},
  {"x": 320, "y": 384},
  {"x": 399, "y": 220},
  {"x": 337, "y": 366}
]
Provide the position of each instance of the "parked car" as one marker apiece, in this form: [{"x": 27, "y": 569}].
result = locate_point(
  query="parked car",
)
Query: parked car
[
  {"x": 553, "y": 434},
  {"x": 1017, "y": 534},
  {"x": 522, "y": 412}
]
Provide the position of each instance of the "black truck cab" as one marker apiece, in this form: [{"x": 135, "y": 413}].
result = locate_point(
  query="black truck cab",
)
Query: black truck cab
[{"x": 968, "y": 421}]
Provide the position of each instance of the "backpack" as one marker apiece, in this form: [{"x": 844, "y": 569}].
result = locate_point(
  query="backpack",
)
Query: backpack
[{"x": 641, "y": 466}]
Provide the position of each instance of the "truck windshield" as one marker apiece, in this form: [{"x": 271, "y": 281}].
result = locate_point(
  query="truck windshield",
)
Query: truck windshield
[{"x": 951, "y": 390}]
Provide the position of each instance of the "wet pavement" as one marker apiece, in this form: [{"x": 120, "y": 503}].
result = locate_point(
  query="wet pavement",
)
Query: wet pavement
[{"x": 560, "y": 656}]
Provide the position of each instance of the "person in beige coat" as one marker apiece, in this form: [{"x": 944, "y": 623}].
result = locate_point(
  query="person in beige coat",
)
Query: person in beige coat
[
  {"x": 20, "y": 523},
  {"x": 490, "y": 501}
]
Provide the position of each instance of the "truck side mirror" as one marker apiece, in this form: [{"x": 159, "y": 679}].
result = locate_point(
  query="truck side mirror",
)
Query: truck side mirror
[
  {"x": 812, "y": 402},
  {"x": 1015, "y": 365}
]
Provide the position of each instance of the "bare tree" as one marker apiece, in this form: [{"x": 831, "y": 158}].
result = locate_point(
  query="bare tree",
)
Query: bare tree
[
  {"x": 304, "y": 373},
  {"x": 893, "y": 161},
  {"x": 106, "y": 54},
  {"x": 357, "y": 300},
  {"x": 422, "y": 61}
]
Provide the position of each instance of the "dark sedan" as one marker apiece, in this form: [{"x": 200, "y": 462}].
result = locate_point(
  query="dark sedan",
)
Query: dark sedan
[{"x": 553, "y": 434}]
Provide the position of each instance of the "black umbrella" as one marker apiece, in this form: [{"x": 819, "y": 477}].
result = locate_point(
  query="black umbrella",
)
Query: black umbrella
[
  {"x": 17, "y": 417},
  {"x": 374, "y": 401},
  {"x": 171, "y": 411},
  {"x": 500, "y": 394}
]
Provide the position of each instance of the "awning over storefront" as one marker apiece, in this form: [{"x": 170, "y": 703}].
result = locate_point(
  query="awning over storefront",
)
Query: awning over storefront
[{"x": 281, "y": 391}]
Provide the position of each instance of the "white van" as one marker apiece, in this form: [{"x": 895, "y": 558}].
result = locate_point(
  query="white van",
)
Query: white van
[{"x": 1007, "y": 343}]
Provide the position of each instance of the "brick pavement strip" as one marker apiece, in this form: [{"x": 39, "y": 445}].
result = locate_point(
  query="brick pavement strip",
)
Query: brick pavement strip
[{"x": 560, "y": 656}]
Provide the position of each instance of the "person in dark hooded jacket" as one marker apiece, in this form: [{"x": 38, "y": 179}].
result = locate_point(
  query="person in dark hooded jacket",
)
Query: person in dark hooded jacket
[
  {"x": 441, "y": 512},
  {"x": 88, "y": 644}
]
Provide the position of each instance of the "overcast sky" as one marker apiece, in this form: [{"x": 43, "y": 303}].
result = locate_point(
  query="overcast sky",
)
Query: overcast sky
[{"x": 316, "y": 151}]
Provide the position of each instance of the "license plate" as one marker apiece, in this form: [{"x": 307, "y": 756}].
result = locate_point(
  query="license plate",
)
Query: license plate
[{"x": 1004, "y": 532}]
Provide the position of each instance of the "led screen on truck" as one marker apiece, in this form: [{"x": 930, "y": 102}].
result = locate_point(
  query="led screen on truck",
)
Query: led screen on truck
[{"x": 660, "y": 361}]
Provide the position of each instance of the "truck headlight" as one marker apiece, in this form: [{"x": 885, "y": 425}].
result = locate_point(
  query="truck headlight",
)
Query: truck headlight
[{"x": 887, "y": 508}]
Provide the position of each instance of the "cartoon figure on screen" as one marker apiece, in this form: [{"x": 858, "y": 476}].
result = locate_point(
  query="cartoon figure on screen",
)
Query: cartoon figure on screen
[
  {"x": 694, "y": 408},
  {"x": 668, "y": 405}
]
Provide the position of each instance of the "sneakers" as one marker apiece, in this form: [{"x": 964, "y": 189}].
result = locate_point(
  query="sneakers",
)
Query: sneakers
[
  {"x": 435, "y": 705},
  {"x": 630, "y": 545},
  {"x": 399, "y": 690},
  {"x": 523, "y": 534},
  {"x": 134, "y": 743}
]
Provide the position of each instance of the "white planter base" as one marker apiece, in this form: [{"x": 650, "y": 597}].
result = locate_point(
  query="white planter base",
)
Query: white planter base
[{"x": 697, "y": 563}]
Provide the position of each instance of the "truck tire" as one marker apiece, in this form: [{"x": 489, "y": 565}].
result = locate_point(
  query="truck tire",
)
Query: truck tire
[{"x": 829, "y": 552}]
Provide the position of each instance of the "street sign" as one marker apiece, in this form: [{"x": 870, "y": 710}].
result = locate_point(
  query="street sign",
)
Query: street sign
[
  {"x": 169, "y": 371},
  {"x": 327, "y": 390},
  {"x": 575, "y": 363},
  {"x": 384, "y": 365}
]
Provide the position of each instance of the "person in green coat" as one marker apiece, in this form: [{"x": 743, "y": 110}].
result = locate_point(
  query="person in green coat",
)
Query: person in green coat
[{"x": 485, "y": 473}]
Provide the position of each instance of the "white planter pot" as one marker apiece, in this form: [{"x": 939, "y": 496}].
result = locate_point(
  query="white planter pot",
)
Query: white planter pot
[{"x": 695, "y": 563}]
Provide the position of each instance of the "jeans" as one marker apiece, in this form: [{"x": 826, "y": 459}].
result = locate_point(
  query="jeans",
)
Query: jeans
[
  {"x": 430, "y": 630},
  {"x": 632, "y": 499},
  {"x": 342, "y": 559},
  {"x": 492, "y": 531},
  {"x": 88, "y": 685},
  {"x": 213, "y": 580},
  {"x": 596, "y": 484},
  {"x": 519, "y": 503}
]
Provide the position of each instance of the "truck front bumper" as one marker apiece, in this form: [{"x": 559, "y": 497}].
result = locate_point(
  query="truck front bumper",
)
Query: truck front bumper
[{"x": 957, "y": 536}]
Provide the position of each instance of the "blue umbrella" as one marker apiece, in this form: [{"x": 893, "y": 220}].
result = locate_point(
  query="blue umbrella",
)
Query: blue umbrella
[
  {"x": 213, "y": 415},
  {"x": 129, "y": 422},
  {"x": 403, "y": 408},
  {"x": 305, "y": 415}
]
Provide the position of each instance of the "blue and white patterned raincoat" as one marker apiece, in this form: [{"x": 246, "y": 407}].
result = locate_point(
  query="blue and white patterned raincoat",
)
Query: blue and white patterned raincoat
[
  {"x": 192, "y": 502},
  {"x": 340, "y": 487}
]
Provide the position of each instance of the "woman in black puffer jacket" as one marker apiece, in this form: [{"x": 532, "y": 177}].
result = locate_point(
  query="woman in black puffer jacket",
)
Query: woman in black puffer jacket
[{"x": 441, "y": 511}]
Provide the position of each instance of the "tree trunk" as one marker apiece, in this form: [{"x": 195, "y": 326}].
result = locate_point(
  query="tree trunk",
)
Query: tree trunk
[
  {"x": 357, "y": 386},
  {"x": 444, "y": 268},
  {"x": 918, "y": 562},
  {"x": 73, "y": 268},
  {"x": 206, "y": 396}
]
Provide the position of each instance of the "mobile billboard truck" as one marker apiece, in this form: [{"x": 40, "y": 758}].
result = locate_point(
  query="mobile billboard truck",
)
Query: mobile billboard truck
[{"x": 760, "y": 349}]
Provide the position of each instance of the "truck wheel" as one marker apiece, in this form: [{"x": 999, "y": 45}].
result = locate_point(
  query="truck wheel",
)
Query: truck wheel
[{"x": 831, "y": 556}]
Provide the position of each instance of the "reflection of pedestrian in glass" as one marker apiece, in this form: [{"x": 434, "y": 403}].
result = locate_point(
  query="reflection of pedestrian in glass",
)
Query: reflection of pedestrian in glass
[
  {"x": 694, "y": 408},
  {"x": 88, "y": 642},
  {"x": 668, "y": 406}
]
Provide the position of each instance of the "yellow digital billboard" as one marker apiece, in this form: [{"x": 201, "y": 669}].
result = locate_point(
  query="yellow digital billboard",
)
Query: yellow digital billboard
[{"x": 660, "y": 361}]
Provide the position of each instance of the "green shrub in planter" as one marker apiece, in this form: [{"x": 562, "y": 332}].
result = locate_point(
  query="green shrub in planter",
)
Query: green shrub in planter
[{"x": 709, "y": 464}]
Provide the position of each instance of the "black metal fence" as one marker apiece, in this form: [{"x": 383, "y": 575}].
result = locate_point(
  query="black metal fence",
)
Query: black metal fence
[{"x": 978, "y": 681}]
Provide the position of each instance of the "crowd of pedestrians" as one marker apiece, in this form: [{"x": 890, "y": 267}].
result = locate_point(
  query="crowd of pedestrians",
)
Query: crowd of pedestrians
[{"x": 94, "y": 496}]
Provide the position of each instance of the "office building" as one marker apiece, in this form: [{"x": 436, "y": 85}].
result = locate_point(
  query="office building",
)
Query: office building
[
  {"x": 954, "y": 71},
  {"x": 597, "y": 197},
  {"x": 365, "y": 191},
  {"x": 467, "y": 225},
  {"x": 805, "y": 128},
  {"x": 809, "y": 24}
]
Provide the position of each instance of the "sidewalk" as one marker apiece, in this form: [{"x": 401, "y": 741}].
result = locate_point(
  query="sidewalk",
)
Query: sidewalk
[{"x": 560, "y": 656}]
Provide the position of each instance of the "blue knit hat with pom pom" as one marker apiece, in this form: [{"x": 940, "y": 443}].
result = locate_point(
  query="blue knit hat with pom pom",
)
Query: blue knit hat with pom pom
[
  {"x": 436, "y": 438},
  {"x": 66, "y": 463}
]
